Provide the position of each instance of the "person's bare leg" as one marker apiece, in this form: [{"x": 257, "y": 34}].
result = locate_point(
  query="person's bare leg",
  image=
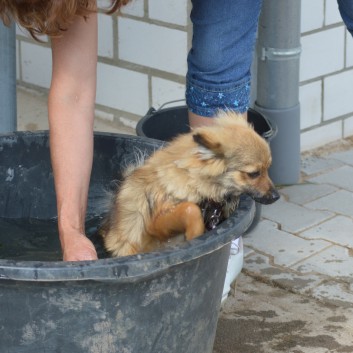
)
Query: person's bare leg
[
  {"x": 198, "y": 120},
  {"x": 71, "y": 115}
]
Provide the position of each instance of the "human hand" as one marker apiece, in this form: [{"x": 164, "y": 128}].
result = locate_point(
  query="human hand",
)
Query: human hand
[{"x": 77, "y": 247}]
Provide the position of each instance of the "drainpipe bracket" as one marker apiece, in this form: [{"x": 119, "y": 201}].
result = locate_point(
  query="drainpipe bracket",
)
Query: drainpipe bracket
[{"x": 276, "y": 54}]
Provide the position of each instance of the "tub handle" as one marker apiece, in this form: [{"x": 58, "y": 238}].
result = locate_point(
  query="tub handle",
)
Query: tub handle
[{"x": 170, "y": 102}]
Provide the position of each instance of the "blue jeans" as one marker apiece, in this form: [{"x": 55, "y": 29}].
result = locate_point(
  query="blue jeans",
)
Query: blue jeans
[
  {"x": 219, "y": 61},
  {"x": 346, "y": 10},
  {"x": 224, "y": 33}
]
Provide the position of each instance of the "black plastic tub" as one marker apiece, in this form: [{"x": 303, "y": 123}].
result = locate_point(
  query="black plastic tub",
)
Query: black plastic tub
[
  {"x": 159, "y": 302},
  {"x": 165, "y": 124}
]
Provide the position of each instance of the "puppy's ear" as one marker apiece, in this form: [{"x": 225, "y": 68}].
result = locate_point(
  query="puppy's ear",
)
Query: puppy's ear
[{"x": 210, "y": 146}]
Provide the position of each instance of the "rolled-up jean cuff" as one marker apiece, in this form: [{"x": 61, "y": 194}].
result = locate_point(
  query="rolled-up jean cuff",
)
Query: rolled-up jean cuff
[{"x": 206, "y": 102}]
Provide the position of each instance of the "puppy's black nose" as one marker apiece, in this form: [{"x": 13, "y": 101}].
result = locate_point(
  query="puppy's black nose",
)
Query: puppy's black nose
[
  {"x": 274, "y": 195},
  {"x": 271, "y": 197}
]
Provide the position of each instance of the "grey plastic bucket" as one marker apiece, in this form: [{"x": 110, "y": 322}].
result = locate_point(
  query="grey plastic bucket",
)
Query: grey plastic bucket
[
  {"x": 159, "y": 302},
  {"x": 164, "y": 124}
]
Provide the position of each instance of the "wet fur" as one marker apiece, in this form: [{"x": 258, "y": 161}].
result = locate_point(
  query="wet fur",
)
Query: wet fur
[{"x": 160, "y": 198}]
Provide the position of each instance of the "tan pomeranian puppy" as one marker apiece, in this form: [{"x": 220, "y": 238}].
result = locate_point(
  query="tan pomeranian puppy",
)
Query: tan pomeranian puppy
[{"x": 162, "y": 197}]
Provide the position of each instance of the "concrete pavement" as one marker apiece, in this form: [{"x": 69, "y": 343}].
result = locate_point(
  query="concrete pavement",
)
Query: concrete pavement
[{"x": 296, "y": 290}]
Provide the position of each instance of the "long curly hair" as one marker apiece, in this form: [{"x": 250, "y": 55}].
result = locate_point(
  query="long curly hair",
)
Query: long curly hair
[{"x": 50, "y": 17}]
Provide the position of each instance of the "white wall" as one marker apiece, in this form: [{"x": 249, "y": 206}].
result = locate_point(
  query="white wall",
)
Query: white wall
[{"x": 326, "y": 75}]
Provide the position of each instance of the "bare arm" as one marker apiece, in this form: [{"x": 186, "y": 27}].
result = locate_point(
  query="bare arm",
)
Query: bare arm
[{"x": 71, "y": 114}]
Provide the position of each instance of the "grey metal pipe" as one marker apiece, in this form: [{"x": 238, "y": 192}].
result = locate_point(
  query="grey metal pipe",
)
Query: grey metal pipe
[
  {"x": 8, "y": 102},
  {"x": 278, "y": 54}
]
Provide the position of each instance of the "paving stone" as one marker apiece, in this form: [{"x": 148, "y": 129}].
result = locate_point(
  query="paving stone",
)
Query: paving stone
[
  {"x": 336, "y": 261},
  {"x": 338, "y": 202},
  {"x": 343, "y": 156},
  {"x": 314, "y": 165},
  {"x": 337, "y": 293},
  {"x": 285, "y": 248},
  {"x": 294, "y": 218},
  {"x": 303, "y": 193},
  {"x": 341, "y": 177},
  {"x": 259, "y": 265},
  {"x": 338, "y": 230}
]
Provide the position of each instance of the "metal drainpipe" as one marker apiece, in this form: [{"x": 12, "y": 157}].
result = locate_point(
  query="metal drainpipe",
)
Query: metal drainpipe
[
  {"x": 8, "y": 102},
  {"x": 278, "y": 54}
]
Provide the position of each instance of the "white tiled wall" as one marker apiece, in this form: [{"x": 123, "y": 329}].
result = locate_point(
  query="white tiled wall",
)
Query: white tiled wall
[
  {"x": 332, "y": 15},
  {"x": 142, "y": 63},
  {"x": 321, "y": 135},
  {"x": 309, "y": 22},
  {"x": 164, "y": 91},
  {"x": 322, "y": 53},
  {"x": 310, "y": 97},
  {"x": 326, "y": 91},
  {"x": 122, "y": 89},
  {"x": 152, "y": 46},
  {"x": 338, "y": 99},
  {"x": 348, "y": 127},
  {"x": 349, "y": 51},
  {"x": 35, "y": 64},
  {"x": 134, "y": 8},
  {"x": 105, "y": 36},
  {"x": 170, "y": 11}
]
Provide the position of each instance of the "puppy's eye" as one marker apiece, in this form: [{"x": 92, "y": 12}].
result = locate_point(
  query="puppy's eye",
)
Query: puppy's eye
[{"x": 253, "y": 175}]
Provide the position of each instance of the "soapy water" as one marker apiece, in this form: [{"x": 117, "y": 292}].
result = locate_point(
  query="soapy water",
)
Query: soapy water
[{"x": 38, "y": 240}]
